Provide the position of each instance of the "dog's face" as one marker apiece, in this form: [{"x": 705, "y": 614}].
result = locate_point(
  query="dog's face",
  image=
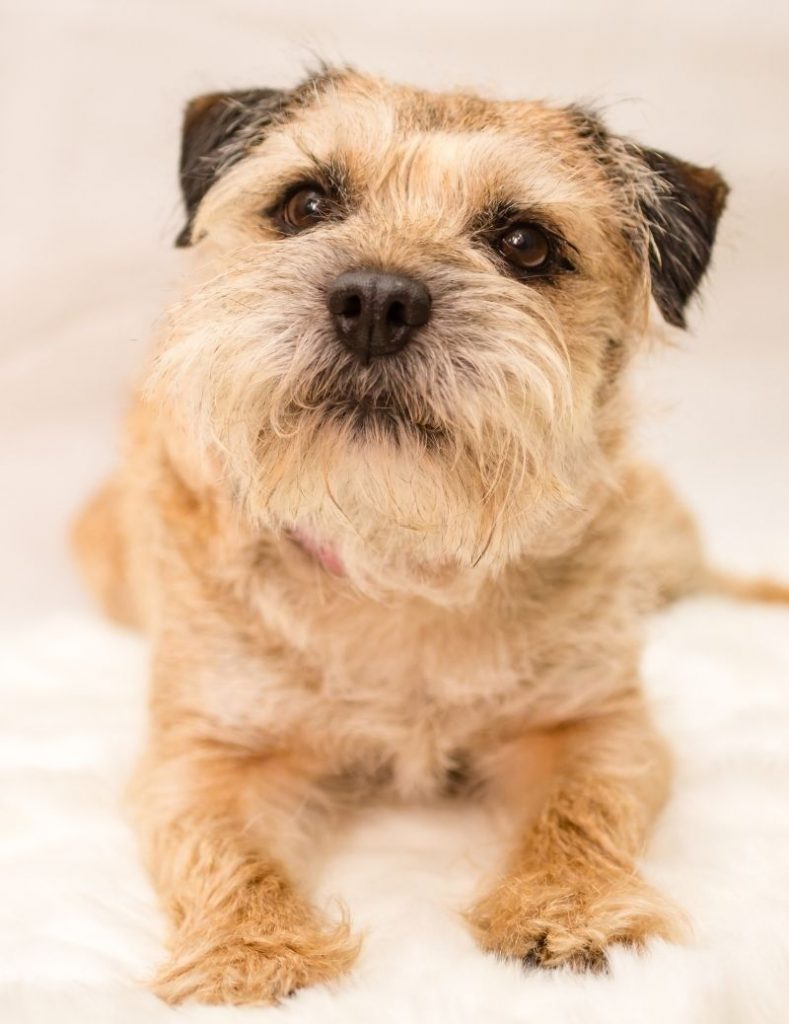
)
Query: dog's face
[{"x": 410, "y": 312}]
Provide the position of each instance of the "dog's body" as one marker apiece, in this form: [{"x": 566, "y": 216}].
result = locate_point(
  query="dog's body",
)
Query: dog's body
[
  {"x": 409, "y": 571},
  {"x": 402, "y": 693}
]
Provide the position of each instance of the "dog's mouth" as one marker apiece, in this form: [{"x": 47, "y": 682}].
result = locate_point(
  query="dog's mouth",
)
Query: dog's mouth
[
  {"x": 379, "y": 415},
  {"x": 367, "y": 411}
]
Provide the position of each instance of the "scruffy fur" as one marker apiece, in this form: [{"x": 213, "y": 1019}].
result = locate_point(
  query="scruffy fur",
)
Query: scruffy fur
[{"x": 499, "y": 543}]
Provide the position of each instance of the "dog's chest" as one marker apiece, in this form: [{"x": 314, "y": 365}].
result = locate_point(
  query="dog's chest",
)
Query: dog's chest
[{"x": 400, "y": 694}]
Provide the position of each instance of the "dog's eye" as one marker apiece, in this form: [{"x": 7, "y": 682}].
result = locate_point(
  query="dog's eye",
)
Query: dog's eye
[
  {"x": 304, "y": 208},
  {"x": 526, "y": 247}
]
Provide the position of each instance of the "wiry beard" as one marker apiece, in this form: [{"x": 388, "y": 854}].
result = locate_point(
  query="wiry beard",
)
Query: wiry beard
[
  {"x": 456, "y": 452},
  {"x": 369, "y": 406}
]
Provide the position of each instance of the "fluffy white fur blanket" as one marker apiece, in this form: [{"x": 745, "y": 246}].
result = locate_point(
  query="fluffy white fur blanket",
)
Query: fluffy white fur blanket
[{"x": 79, "y": 931}]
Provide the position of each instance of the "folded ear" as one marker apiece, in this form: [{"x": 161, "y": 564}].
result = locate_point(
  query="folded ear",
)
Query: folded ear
[
  {"x": 218, "y": 130},
  {"x": 682, "y": 204}
]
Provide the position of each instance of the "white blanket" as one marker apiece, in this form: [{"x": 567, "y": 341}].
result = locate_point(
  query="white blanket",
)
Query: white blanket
[{"x": 79, "y": 931}]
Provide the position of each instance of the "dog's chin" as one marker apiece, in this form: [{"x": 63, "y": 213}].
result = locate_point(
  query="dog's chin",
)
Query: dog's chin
[
  {"x": 381, "y": 486},
  {"x": 385, "y": 519}
]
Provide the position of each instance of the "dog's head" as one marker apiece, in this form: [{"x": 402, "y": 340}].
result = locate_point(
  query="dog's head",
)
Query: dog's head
[{"x": 410, "y": 312}]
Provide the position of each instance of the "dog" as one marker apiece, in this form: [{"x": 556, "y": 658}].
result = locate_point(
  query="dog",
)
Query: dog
[{"x": 379, "y": 513}]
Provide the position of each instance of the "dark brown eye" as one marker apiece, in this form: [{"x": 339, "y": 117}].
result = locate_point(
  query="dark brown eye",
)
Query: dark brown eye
[
  {"x": 304, "y": 208},
  {"x": 526, "y": 247}
]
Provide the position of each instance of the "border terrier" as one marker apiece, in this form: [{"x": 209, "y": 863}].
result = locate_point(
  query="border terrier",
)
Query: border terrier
[{"x": 379, "y": 514}]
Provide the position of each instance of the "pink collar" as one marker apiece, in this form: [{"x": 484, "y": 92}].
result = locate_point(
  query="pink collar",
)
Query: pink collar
[{"x": 325, "y": 554}]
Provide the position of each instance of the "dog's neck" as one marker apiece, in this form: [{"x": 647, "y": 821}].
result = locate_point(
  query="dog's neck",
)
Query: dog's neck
[
  {"x": 445, "y": 584},
  {"x": 323, "y": 552}
]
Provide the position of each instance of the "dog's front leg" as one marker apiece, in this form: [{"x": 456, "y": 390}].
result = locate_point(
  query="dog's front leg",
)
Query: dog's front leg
[
  {"x": 572, "y": 888},
  {"x": 240, "y": 932}
]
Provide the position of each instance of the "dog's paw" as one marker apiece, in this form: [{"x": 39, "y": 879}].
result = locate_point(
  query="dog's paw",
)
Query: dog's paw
[
  {"x": 253, "y": 969},
  {"x": 546, "y": 921}
]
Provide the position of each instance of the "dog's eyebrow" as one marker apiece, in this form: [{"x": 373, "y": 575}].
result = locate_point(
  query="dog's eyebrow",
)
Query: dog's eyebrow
[
  {"x": 493, "y": 214},
  {"x": 332, "y": 172},
  {"x": 337, "y": 176}
]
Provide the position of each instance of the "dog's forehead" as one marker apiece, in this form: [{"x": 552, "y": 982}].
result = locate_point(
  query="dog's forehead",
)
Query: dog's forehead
[{"x": 472, "y": 146}]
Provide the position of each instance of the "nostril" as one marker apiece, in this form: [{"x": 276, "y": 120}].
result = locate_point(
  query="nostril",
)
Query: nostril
[
  {"x": 351, "y": 306},
  {"x": 395, "y": 315}
]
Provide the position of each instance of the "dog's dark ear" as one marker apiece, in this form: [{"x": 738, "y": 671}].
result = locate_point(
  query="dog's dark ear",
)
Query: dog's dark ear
[
  {"x": 218, "y": 129},
  {"x": 682, "y": 206}
]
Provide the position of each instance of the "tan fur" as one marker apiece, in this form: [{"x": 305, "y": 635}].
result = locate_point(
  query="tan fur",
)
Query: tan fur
[{"x": 495, "y": 580}]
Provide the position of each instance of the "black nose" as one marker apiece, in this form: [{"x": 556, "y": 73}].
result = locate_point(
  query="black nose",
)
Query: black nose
[{"x": 376, "y": 313}]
